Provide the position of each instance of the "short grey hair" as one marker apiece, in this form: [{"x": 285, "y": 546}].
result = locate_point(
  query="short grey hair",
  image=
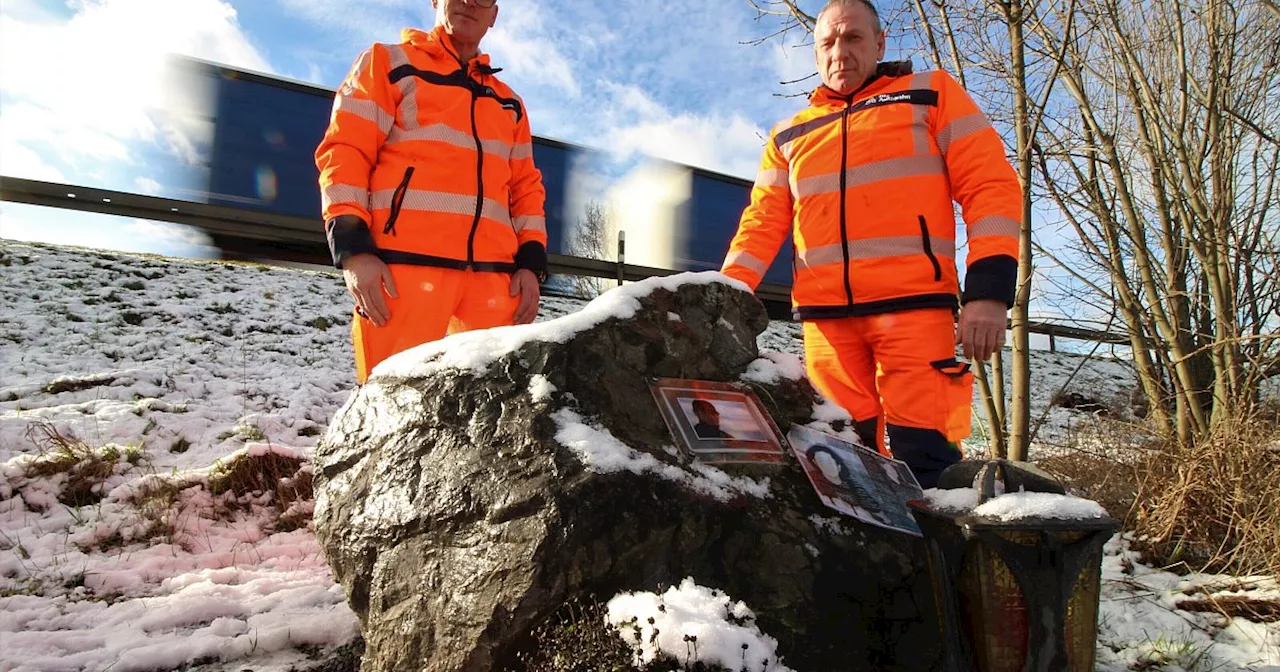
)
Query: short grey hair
[{"x": 875, "y": 15}]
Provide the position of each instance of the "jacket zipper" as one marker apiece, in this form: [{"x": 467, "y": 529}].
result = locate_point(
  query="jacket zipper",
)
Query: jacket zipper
[
  {"x": 844, "y": 179},
  {"x": 475, "y": 135},
  {"x": 928, "y": 249},
  {"x": 397, "y": 201}
]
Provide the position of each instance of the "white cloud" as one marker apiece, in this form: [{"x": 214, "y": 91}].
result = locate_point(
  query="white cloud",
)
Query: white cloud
[
  {"x": 636, "y": 124},
  {"x": 86, "y": 89},
  {"x": 17, "y": 160},
  {"x": 520, "y": 46},
  {"x": 164, "y": 235},
  {"x": 795, "y": 63},
  {"x": 729, "y": 145},
  {"x": 67, "y": 134},
  {"x": 146, "y": 185}
]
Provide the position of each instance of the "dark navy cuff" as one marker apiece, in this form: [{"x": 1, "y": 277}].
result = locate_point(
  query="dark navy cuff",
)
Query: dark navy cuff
[
  {"x": 348, "y": 236},
  {"x": 991, "y": 278},
  {"x": 533, "y": 256}
]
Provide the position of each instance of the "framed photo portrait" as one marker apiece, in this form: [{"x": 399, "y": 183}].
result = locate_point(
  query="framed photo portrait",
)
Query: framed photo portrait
[
  {"x": 855, "y": 481},
  {"x": 719, "y": 423}
]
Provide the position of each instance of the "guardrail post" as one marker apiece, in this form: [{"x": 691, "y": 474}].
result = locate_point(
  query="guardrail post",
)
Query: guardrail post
[{"x": 622, "y": 256}]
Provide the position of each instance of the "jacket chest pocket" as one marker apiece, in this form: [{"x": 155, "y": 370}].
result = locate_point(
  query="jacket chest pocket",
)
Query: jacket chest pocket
[{"x": 885, "y": 132}]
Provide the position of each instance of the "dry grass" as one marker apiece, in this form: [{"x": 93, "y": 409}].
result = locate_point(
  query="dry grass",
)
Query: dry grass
[
  {"x": 1103, "y": 478},
  {"x": 1212, "y": 506},
  {"x": 167, "y": 503},
  {"x": 1235, "y": 606},
  {"x": 248, "y": 476},
  {"x": 251, "y": 474},
  {"x": 1207, "y": 507},
  {"x": 578, "y": 637},
  {"x": 87, "y": 468}
]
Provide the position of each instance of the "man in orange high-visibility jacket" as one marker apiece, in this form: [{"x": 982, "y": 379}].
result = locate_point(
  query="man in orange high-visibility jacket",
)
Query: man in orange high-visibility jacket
[
  {"x": 864, "y": 179},
  {"x": 432, "y": 204}
]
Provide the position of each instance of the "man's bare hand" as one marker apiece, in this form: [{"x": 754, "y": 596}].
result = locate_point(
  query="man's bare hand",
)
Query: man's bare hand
[
  {"x": 981, "y": 328},
  {"x": 367, "y": 277},
  {"x": 525, "y": 285}
]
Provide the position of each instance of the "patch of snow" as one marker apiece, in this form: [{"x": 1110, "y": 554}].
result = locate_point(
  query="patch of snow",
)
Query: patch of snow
[
  {"x": 958, "y": 500},
  {"x": 192, "y": 361},
  {"x": 540, "y": 388},
  {"x": 828, "y": 524},
  {"x": 603, "y": 453},
  {"x": 771, "y": 367},
  {"x": 1014, "y": 506},
  {"x": 1019, "y": 505},
  {"x": 723, "y": 632},
  {"x": 829, "y": 412}
]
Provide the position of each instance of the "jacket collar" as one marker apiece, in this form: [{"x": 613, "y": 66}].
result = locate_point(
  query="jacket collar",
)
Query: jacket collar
[
  {"x": 884, "y": 71},
  {"x": 439, "y": 44}
]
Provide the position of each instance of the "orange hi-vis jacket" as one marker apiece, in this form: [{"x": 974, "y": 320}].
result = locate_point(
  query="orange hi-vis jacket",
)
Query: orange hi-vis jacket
[
  {"x": 429, "y": 161},
  {"x": 865, "y": 184}
]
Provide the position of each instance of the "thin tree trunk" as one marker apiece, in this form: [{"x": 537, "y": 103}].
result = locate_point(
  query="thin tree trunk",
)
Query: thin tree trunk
[
  {"x": 1020, "y": 426},
  {"x": 999, "y": 447},
  {"x": 997, "y": 395}
]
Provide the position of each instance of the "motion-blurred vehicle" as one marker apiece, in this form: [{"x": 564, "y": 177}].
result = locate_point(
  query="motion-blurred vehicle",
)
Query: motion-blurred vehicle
[{"x": 265, "y": 130}]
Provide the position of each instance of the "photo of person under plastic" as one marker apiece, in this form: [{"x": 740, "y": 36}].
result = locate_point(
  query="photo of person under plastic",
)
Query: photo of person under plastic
[
  {"x": 721, "y": 419},
  {"x": 718, "y": 422},
  {"x": 853, "y": 481}
]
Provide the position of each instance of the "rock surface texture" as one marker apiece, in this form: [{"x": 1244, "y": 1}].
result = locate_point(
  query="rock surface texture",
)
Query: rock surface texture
[{"x": 476, "y": 485}]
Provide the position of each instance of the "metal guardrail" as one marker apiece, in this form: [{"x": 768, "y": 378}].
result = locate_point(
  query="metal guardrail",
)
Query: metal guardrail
[{"x": 248, "y": 234}]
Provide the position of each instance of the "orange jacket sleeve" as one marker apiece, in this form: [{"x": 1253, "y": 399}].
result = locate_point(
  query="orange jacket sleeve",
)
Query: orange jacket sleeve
[
  {"x": 528, "y": 196},
  {"x": 527, "y": 202},
  {"x": 987, "y": 189},
  {"x": 765, "y": 222},
  {"x": 363, "y": 113}
]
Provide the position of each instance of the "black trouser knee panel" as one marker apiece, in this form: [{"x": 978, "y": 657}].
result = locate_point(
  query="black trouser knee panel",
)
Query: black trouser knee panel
[{"x": 926, "y": 451}]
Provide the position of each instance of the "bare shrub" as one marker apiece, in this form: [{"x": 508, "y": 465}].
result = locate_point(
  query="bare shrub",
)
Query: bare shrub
[
  {"x": 1207, "y": 507},
  {"x": 1212, "y": 506},
  {"x": 1105, "y": 478}
]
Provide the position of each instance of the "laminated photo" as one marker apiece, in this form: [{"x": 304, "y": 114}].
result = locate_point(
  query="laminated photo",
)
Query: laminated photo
[
  {"x": 856, "y": 481},
  {"x": 718, "y": 423}
]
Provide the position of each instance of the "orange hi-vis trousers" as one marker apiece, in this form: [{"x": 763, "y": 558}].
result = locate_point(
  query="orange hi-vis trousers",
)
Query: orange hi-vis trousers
[
  {"x": 899, "y": 368},
  {"x": 433, "y": 303}
]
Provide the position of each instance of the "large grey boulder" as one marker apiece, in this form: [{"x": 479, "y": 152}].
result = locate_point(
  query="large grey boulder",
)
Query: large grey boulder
[{"x": 476, "y": 485}]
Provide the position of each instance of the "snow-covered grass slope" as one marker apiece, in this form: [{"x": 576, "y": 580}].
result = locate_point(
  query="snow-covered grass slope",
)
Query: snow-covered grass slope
[
  {"x": 202, "y": 356},
  {"x": 139, "y": 396}
]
